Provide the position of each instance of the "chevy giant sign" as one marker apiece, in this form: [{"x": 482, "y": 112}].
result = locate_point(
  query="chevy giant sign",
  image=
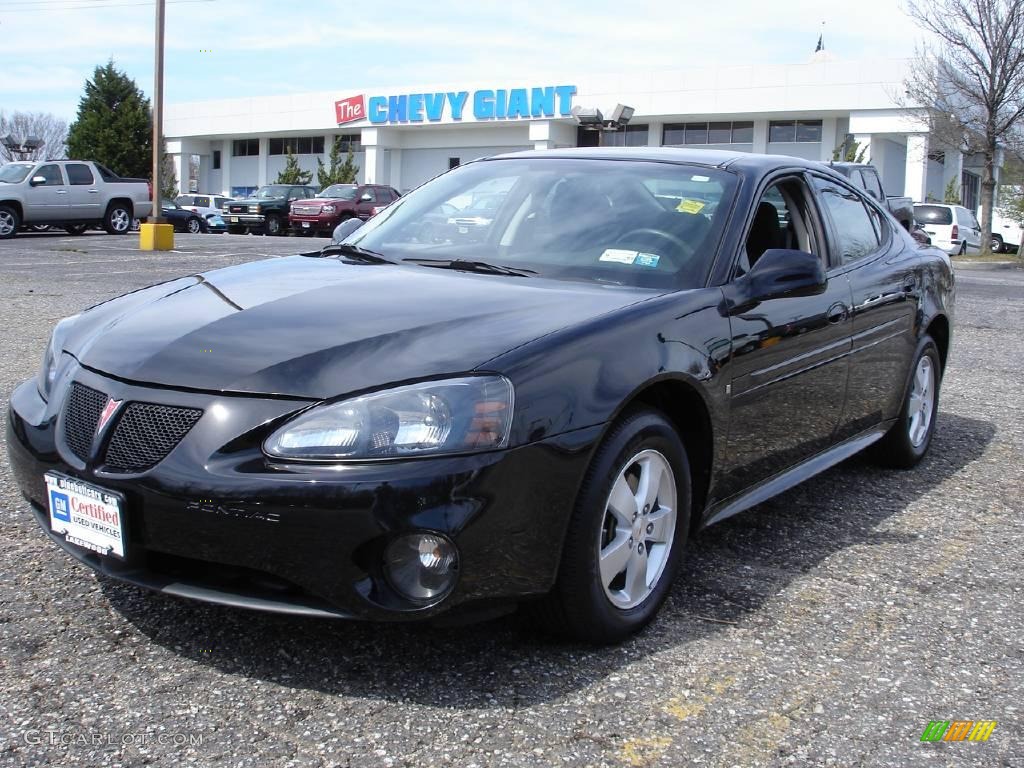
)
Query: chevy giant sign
[{"x": 500, "y": 104}]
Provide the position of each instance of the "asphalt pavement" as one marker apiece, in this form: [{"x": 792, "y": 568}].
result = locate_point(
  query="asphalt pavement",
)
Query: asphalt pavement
[{"x": 827, "y": 626}]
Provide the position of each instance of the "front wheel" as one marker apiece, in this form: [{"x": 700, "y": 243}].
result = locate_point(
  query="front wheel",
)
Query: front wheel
[
  {"x": 907, "y": 441},
  {"x": 272, "y": 225},
  {"x": 9, "y": 222},
  {"x": 194, "y": 226},
  {"x": 118, "y": 220},
  {"x": 626, "y": 534},
  {"x": 997, "y": 244}
]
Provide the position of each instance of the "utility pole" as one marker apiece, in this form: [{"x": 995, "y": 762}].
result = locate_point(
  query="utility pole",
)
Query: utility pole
[{"x": 158, "y": 114}]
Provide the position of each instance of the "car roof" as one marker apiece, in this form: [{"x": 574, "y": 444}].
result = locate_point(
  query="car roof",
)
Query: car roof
[{"x": 711, "y": 158}]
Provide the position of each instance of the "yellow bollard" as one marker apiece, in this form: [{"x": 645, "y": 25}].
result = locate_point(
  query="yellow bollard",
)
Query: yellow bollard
[{"x": 156, "y": 237}]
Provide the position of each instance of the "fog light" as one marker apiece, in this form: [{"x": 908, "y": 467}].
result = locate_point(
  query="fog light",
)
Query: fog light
[{"x": 421, "y": 566}]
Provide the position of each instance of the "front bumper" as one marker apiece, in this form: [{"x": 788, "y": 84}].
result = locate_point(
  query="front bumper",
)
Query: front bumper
[
  {"x": 216, "y": 520},
  {"x": 245, "y": 219},
  {"x": 313, "y": 223}
]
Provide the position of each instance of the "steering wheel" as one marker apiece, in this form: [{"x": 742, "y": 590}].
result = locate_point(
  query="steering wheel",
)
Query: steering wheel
[{"x": 684, "y": 247}]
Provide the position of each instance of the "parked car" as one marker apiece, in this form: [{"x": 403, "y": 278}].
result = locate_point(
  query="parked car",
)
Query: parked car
[
  {"x": 203, "y": 204},
  {"x": 215, "y": 224},
  {"x": 266, "y": 212},
  {"x": 952, "y": 228},
  {"x": 391, "y": 430},
  {"x": 183, "y": 220},
  {"x": 865, "y": 177},
  {"x": 72, "y": 194},
  {"x": 1006, "y": 233},
  {"x": 336, "y": 203}
]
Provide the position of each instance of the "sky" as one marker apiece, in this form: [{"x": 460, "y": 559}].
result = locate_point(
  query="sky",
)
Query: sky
[{"x": 246, "y": 48}]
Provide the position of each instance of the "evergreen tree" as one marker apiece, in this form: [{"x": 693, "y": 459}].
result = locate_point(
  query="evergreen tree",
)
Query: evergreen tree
[
  {"x": 168, "y": 179},
  {"x": 114, "y": 125},
  {"x": 292, "y": 173},
  {"x": 339, "y": 171}
]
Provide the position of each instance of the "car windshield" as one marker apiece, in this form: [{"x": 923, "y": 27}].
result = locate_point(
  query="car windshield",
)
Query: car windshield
[
  {"x": 636, "y": 223},
  {"x": 339, "y": 192},
  {"x": 15, "y": 173},
  {"x": 274, "y": 190},
  {"x": 933, "y": 214}
]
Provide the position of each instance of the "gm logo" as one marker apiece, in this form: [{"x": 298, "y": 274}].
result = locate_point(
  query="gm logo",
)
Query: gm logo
[
  {"x": 60, "y": 506},
  {"x": 958, "y": 730}
]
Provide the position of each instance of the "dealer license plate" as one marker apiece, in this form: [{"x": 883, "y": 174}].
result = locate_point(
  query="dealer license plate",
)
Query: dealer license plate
[
  {"x": 234, "y": 219},
  {"x": 87, "y": 516},
  {"x": 305, "y": 225}
]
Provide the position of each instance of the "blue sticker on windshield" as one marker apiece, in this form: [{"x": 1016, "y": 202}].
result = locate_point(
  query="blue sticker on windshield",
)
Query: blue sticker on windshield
[{"x": 647, "y": 260}]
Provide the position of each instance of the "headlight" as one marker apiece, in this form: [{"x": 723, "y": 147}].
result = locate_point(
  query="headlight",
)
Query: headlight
[
  {"x": 48, "y": 370},
  {"x": 327, "y": 209},
  {"x": 468, "y": 414}
]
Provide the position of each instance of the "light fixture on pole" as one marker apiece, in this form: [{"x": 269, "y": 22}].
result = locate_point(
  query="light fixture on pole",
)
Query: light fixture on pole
[
  {"x": 591, "y": 119},
  {"x": 22, "y": 149}
]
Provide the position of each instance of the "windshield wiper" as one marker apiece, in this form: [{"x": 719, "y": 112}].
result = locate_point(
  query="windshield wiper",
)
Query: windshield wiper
[
  {"x": 354, "y": 252},
  {"x": 480, "y": 267}
]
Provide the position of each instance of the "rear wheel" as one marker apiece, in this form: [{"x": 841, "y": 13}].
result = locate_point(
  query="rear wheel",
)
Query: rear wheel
[
  {"x": 997, "y": 244},
  {"x": 9, "y": 222},
  {"x": 626, "y": 534},
  {"x": 907, "y": 441},
  {"x": 963, "y": 249},
  {"x": 118, "y": 219}
]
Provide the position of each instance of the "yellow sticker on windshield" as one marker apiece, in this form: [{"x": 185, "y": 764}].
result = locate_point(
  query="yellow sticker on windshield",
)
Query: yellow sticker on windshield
[{"x": 690, "y": 206}]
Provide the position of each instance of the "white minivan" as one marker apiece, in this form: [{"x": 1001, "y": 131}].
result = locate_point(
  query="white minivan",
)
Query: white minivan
[{"x": 952, "y": 228}]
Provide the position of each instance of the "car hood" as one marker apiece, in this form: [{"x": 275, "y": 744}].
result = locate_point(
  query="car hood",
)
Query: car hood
[
  {"x": 326, "y": 201},
  {"x": 321, "y": 327}
]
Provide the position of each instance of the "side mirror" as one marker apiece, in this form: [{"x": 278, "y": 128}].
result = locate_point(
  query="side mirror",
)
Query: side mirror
[
  {"x": 366, "y": 198},
  {"x": 346, "y": 228},
  {"x": 778, "y": 274},
  {"x": 37, "y": 181}
]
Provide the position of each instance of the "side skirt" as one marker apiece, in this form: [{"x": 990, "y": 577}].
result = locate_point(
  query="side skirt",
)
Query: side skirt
[{"x": 783, "y": 481}]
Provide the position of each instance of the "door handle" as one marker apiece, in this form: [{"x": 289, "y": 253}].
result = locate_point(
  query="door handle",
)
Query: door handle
[
  {"x": 94, "y": 191},
  {"x": 837, "y": 313},
  {"x": 62, "y": 191}
]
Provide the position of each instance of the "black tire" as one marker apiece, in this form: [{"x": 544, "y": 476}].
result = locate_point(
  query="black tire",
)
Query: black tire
[
  {"x": 118, "y": 219},
  {"x": 963, "y": 249},
  {"x": 898, "y": 449},
  {"x": 272, "y": 225},
  {"x": 234, "y": 229},
  {"x": 76, "y": 229},
  {"x": 10, "y": 222},
  {"x": 39, "y": 227},
  {"x": 578, "y": 605},
  {"x": 194, "y": 225},
  {"x": 997, "y": 244}
]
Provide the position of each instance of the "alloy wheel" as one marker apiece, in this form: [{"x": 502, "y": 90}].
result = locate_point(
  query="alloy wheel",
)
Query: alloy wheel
[
  {"x": 636, "y": 534},
  {"x": 7, "y": 223},
  {"x": 120, "y": 221},
  {"x": 922, "y": 401}
]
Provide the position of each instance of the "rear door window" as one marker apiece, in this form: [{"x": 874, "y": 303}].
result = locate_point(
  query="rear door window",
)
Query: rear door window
[
  {"x": 933, "y": 214},
  {"x": 79, "y": 174}
]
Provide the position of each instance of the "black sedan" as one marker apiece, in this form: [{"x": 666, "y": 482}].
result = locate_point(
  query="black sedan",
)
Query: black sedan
[
  {"x": 645, "y": 342},
  {"x": 182, "y": 219}
]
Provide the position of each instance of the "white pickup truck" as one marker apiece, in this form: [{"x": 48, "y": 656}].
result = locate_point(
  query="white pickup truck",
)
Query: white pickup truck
[{"x": 73, "y": 194}]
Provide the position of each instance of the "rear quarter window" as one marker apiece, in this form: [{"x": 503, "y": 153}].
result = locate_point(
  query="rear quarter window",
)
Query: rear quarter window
[{"x": 933, "y": 214}]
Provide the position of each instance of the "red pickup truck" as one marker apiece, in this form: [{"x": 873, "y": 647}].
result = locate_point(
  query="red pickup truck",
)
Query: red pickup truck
[{"x": 321, "y": 214}]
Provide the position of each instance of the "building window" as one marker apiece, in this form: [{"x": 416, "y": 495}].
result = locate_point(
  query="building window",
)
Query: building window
[
  {"x": 299, "y": 145},
  {"x": 788, "y": 131},
  {"x": 630, "y": 136},
  {"x": 347, "y": 141},
  {"x": 738, "y": 132},
  {"x": 970, "y": 185},
  {"x": 216, "y": 159},
  {"x": 245, "y": 147}
]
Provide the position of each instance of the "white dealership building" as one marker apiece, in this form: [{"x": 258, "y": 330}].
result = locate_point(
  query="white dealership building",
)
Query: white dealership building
[{"x": 404, "y": 136}]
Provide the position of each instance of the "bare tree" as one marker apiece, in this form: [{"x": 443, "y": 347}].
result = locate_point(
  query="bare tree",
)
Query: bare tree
[
  {"x": 20, "y": 125},
  {"x": 970, "y": 80}
]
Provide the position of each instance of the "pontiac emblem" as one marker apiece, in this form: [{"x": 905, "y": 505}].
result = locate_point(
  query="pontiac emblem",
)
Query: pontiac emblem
[{"x": 108, "y": 411}]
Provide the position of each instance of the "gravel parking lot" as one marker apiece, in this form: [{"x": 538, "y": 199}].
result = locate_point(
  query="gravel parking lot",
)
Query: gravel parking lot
[{"x": 826, "y": 627}]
